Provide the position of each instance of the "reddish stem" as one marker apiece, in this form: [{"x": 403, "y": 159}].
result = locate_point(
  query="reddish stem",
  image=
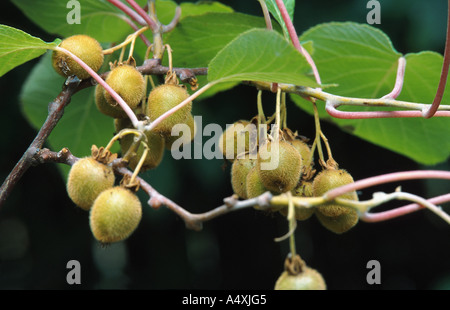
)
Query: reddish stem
[
  {"x": 390, "y": 214},
  {"x": 121, "y": 6},
  {"x": 399, "y": 80},
  {"x": 136, "y": 28},
  {"x": 294, "y": 38},
  {"x": 150, "y": 22},
  {"x": 387, "y": 178},
  {"x": 444, "y": 73},
  {"x": 105, "y": 85}
]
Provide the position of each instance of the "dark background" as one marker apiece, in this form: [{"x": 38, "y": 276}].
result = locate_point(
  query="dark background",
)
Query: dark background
[{"x": 41, "y": 229}]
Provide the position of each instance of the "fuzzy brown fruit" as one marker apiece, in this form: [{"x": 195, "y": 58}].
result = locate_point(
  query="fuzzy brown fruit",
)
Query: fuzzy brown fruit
[
  {"x": 163, "y": 98},
  {"x": 129, "y": 84},
  {"x": 303, "y": 149},
  {"x": 87, "y": 179},
  {"x": 104, "y": 107},
  {"x": 255, "y": 188},
  {"x": 237, "y": 139},
  {"x": 328, "y": 179},
  {"x": 280, "y": 166},
  {"x": 239, "y": 172},
  {"x": 115, "y": 215},
  {"x": 186, "y": 137},
  {"x": 303, "y": 189},
  {"x": 308, "y": 279},
  {"x": 155, "y": 153},
  {"x": 338, "y": 224},
  {"x": 86, "y": 48},
  {"x": 155, "y": 143}
]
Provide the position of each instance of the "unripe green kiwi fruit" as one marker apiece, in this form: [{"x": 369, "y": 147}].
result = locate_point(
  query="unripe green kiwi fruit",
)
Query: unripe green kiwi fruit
[
  {"x": 286, "y": 172},
  {"x": 255, "y": 188},
  {"x": 86, "y": 48},
  {"x": 308, "y": 279},
  {"x": 254, "y": 185},
  {"x": 104, "y": 107},
  {"x": 230, "y": 140},
  {"x": 328, "y": 179},
  {"x": 338, "y": 224},
  {"x": 184, "y": 139},
  {"x": 303, "y": 189},
  {"x": 239, "y": 172},
  {"x": 155, "y": 143},
  {"x": 115, "y": 214},
  {"x": 87, "y": 179},
  {"x": 163, "y": 98},
  {"x": 155, "y": 153},
  {"x": 128, "y": 83},
  {"x": 302, "y": 148}
]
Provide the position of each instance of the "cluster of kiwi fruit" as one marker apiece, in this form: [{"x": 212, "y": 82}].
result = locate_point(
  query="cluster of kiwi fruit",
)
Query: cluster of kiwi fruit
[
  {"x": 115, "y": 211},
  {"x": 295, "y": 173},
  {"x": 130, "y": 85}
]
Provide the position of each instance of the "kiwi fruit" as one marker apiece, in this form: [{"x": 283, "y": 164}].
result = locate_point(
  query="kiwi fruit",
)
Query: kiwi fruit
[
  {"x": 303, "y": 189},
  {"x": 284, "y": 169},
  {"x": 84, "y": 47},
  {"x": 185, "y": 139},
  {"x": 255, "y": 188},
  {"x": 115, "y": 215},
  {"x": 104, "y": 107},
  {"x": 303, "y": 149},
  {"x": 87, "y": 179},
  {"x": 338, "y": 224},
  {"x": 163, "y": 98},
  {"x": 155, "y": 142},
  {"x": 307, "y": 279},
  {"x": 254, "y": 185},
  {"x": 328, "y": 179},
  {"x": 155, "y": 153},
  {"x": 230, "y": 142},
  {"x": 128, "y": 83},
  {"x": 239, "y": 171}
]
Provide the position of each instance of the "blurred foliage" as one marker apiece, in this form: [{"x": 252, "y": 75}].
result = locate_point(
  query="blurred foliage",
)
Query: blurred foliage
[{"x": 41, "y": 229}]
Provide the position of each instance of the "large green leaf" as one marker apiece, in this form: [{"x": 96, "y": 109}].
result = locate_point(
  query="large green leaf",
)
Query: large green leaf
[
  {"x": 82, "y": 124},
  {"x": 18, "y": 47},
  {"x": 260, "y": 55},
  {"x": 197, "y": 39},
  {"x": 273, "y": 9},
  {"x": 362, "y": 61},
  {"x": 99, "y": 18}
]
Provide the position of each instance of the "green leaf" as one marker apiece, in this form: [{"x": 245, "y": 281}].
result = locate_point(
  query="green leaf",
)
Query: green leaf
[
  {"x": 260, "y": 55},
  {"x": 362, "y": 61},
  {"x": 273, "y": 9},
  {"x": 197, "y": 39},
  {"x": 98, "y": 19},
  {"x": 18, "y": 47},
  {"x": 81, "y": 126},
  {"x": 165, "y": 9},
  {"x": 188, "y": 9}
]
